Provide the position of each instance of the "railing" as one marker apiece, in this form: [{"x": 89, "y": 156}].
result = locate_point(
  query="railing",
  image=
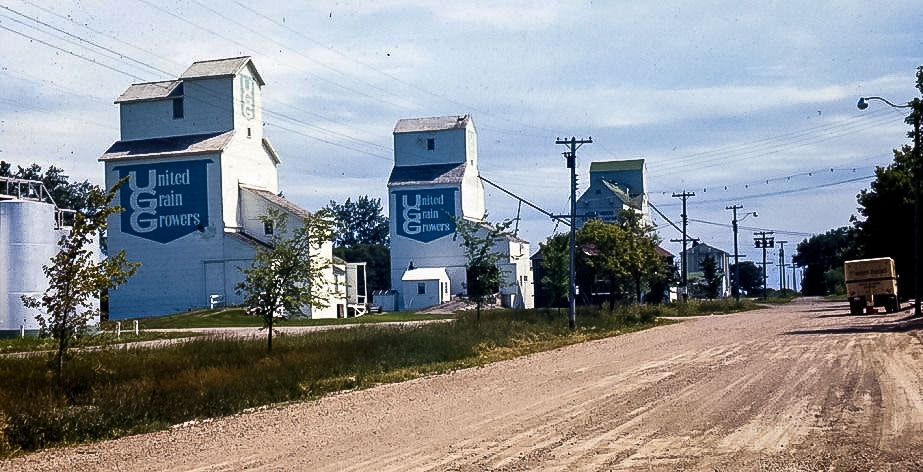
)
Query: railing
[{"x": 23, "y": 189}]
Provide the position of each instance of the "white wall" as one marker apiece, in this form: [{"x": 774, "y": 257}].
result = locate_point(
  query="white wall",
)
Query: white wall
[
  {"x": 442, "y": 252},
  {"x": 450, "y": 147},
  {"x": 207, "y": 108},
  {"x": 172, "y": 275}
]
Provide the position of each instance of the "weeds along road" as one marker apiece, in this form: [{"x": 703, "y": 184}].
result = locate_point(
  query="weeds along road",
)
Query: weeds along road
[{"x": 799, "y": 387}]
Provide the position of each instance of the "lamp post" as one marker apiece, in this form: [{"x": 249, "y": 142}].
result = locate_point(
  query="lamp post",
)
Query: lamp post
[
  {"x": 916, "y": 107},
  {"x": 734, "y": 221}
]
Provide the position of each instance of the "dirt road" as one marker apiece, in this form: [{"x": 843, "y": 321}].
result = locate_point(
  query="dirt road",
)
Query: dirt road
[{"x": 801, "y": 387}]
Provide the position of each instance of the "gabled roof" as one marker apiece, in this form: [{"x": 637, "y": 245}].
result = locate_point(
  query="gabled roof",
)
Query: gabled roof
[
  {"x": 434, "y": 173},
  {"x": 172, "y": 146},
  {"x": 151, "y": 91},
  {"x": 280, "y": 202},
  {"x": 434, "y": 123},
  {"x": 609, "y": 166},
  {"x": 221, "y": 68},
  {"x": 425, "y": 273}
]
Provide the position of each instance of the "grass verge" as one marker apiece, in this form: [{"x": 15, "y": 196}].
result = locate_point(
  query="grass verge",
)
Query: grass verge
[
  {"x": 115, "y": 392},
  {"x": 33, "y": 344},
  {"x": 693, "y": 307},
  {"x": 237, "y": 317}
]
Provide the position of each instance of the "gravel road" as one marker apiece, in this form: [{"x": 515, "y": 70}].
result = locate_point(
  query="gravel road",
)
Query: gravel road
[{"x": 799, "y": 387}]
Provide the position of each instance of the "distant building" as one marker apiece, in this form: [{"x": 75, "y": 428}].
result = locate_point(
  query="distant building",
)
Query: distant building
[
  {"x": 698, "y": 253},
  {"x": 614, "y": 186},
  {"x": 434, "y": 180},
  {"x": 201, "y": 174}
]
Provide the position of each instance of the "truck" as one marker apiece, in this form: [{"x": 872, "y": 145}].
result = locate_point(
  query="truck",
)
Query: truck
[{"x": 871, "y": 283}]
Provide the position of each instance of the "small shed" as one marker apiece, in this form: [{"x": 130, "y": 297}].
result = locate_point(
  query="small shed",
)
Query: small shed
[{"x": 424, "y": 287}]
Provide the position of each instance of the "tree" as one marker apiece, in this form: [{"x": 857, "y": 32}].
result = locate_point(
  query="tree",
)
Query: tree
[
  {"x": 820, "y": 253},
  {"x": 712, "y": 276},
  {"x": 643, "y": 260},
  {"x": 751, "y": 276},
  {"x": 555, "y": 265},
  {"x": 604, "y": 248},
  {"x": 290, "y": 274},
  {"x": 378, "y": 259},
  {"x": 75, "y": 276},
  {"x": 483, "y": 275},
  {"x": 885, "y": 228},
  {"x": 65, "y": 193},
  {"x": 359, "y": 222}
]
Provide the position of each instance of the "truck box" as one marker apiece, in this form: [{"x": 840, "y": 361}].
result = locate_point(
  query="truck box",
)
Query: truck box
[{"x": 871, "y": 283}]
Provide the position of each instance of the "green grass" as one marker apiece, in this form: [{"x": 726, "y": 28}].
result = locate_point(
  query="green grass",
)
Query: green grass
[
  {"x": 237, "y": 317},
  {"x": 33, "y": 344},
  {"x": 695, "y": 307},
  {"x": 837, "y": 297},
  {"x": 115, "y": 392}
]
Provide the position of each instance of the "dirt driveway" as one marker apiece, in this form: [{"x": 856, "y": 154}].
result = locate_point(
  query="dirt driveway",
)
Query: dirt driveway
[{"x": 801, "y": 387}]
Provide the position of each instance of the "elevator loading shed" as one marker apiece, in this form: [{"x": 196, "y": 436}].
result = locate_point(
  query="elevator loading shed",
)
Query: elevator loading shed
[
  {"x": 435, "y": 180},
  {"x": 201, "y": 175}
]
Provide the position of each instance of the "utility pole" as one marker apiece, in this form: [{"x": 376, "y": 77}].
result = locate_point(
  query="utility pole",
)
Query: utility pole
[
  {"x": 764, "y": 241},
  {"x": 734, "y": 208},
  {"x": 685, "y": 239},
  {"x": 781, "y": 265},
  {"x": 571, "y": 157}
]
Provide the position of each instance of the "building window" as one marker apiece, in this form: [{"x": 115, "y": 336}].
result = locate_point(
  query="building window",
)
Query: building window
[
  {"x": 177, "y": 108},
  {"x": 431, "y": 144},
  {"x": 421, "y": 288},
  {"x": 267, "y": 228},
  {"x": 249, "y": 134}
]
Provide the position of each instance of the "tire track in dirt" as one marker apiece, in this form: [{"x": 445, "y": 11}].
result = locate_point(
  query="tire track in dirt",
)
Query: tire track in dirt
[{"x": 790, "y": 388}]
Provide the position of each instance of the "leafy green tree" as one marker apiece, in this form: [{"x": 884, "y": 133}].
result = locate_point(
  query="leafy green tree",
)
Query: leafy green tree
[
  {"x": 643, "y": 261},
  {"x": 660, "y": 279},
  {"x": 712, "y": 276},
  {"x": 823, "y": 252},
  {"x": 886, "y": 209},
  {"x": 76, "y": 276},
  {"x": 291, "y": 274},
  {"x": 67, "y": 194},
  {"x": 604, "y": 254},
  {"x": 555, "y": 282},
  {"x": 378, "y": 259},
  {"x": 751, "y": 277},
  {"x": 479, "y": 240},
  {"x": 359, "y": 222}
]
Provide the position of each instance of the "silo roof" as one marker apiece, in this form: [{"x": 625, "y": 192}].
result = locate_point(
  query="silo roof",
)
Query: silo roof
[
  {"x": 433, "y": 173},
  {"x": 221, "y": 68},
  {"x": 150, "y": 91},
  {"x": 171, "y": 146},
  {"x": 433, "y": 123},
  {"x": 608, "y": 166}
]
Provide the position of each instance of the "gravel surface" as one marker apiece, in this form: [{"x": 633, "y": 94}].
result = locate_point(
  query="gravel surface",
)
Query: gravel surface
[{"x": 801, "y": 387}]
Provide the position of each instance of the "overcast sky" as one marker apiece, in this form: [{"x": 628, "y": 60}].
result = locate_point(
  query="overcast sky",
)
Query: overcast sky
[{"x": 750, "y": 103}]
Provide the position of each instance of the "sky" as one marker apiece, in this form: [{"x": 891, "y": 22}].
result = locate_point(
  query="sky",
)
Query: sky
[{"x": 742, "y": 103}]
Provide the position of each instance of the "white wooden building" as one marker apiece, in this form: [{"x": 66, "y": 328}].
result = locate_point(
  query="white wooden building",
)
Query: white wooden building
[
  {"x": 434, "y": 180},
  {"x": 201, "y": 174}
]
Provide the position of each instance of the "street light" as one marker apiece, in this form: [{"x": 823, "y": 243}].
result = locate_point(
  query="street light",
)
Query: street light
[
  {"x": 734, "y": 221},
  {"x": 917, "y": 108}
]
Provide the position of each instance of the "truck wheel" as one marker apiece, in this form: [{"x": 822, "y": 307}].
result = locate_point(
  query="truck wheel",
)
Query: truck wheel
[{"x": 856, "y": 305}]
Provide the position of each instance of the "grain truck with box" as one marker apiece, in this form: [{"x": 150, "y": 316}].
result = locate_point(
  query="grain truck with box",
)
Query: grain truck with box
[{"x": 871, "y": 283}]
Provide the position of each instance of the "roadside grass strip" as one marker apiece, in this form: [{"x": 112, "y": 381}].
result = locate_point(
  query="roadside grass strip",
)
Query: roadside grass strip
[
  {"x": 36, "y": 344},
  {"x": 114, "y": 391},
  {"x": 238, "y": 317}
]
